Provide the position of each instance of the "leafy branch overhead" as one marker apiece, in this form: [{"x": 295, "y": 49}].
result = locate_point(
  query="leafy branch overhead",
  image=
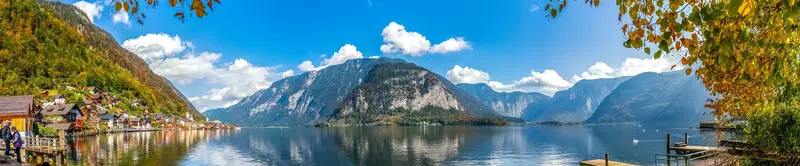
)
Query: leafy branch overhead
[
  {"x": 744, "y": 51},
  {"x": 196, "y": 6}
]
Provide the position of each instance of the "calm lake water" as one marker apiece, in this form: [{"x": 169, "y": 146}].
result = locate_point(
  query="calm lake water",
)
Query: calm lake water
[{"x": 432, "y": 145}]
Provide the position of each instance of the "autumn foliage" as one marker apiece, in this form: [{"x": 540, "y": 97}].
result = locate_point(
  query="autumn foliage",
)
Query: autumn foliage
[
  {"x": 744, "y": 51},
  {"x": 41, "y": 49},
  {"x": 198, "y": 7}
]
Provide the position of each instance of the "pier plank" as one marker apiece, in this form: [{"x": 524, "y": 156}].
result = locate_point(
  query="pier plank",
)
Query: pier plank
[{"x": 602, "y": 162}]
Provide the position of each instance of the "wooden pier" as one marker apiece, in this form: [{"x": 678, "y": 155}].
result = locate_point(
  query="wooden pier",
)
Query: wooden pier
[
  {"x": 603, "y": 162},
  {"x": 46, "y": 148},
  {"x": 685, "y": 148}
]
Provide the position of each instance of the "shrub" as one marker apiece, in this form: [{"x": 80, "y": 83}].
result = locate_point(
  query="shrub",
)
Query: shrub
[{"x": 777, "y": 131}]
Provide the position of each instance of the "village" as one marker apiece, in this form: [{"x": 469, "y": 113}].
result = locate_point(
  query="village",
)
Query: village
[{"x": 50, "y": 117}]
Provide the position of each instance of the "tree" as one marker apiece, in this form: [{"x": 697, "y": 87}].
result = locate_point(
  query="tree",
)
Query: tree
[
  {"x": 744, "y": 51},
  {"x": 196, "y": 6}
]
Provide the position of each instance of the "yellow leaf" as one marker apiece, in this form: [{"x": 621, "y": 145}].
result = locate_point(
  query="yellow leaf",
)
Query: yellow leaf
[
  {"x": 126, "y": 6},
  {"x": 746, "y": 7},
  {"x": 596, "y": 3},
  {"x": 624, "y": 28},
  {"x": 173, "y": 2},
  {"x": 688, "y": 71},
  {"x": 118, "y": 6}
]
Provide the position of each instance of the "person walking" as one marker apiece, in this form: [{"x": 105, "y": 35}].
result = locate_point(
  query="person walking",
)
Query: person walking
[
  {"x": 5, "y": 134},
  {"x": 17, "y": 139}
]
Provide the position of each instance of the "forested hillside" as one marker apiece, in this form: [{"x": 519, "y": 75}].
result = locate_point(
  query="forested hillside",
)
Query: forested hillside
[{"x": 39, "y": 51}]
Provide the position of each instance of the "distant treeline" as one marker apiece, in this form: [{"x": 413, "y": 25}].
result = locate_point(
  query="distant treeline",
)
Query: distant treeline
[{"x": 428, "y": 115}]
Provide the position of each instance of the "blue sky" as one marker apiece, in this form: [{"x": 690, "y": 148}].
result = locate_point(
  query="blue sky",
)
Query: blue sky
[{"x": 243, "y": 46}]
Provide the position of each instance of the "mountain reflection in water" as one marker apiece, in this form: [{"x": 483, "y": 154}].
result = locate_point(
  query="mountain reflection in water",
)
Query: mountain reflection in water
[{"x": 456, "y": 145}]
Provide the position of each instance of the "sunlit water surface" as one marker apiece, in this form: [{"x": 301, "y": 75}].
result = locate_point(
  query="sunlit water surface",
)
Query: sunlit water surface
[{"x": 432, "y": 145}]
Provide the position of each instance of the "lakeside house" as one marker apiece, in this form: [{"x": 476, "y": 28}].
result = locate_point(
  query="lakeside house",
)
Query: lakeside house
[
  {"x": 158, "y": 118},
  {"x": 59, "y": 99},
  {"x": 61, "y": 127},
  {"x": 68, "y": 113},
  {"x": 61, "y": 114},
  {"x": 17, "y": 109},
  {"x": 135, "y": 122},
  {"x": 109, "y": 120}
]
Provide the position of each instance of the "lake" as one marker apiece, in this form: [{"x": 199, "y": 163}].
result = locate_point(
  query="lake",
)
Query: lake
[{"x": 387, "y": 145}]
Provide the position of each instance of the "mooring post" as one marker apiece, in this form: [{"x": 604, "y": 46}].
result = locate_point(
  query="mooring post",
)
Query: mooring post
[
  {"x": 606, "y": 159},
  {"x": 667, "y": 143},
  {"x": 686, "y": 138}
]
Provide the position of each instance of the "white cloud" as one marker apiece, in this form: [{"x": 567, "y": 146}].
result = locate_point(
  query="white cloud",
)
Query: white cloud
[
  {"x": 500, "y": 87},
  {"x": 306, "y": 66},
  {"x": 186, "y": 69},
  {"x": 451, "y": 45},
  {"x": 92, "y": 10},
  {"x": 155, "y": 46},
  {"x": 467, "y": 75},
  {"x": 287, "y": 73},
  {"x": 549, "y": 82},
  {"x": 121, "y": 17},
  {"x": 634, "y": 66},
  {"x": 237, "y": 80},
  {"x": 397, "y": 39},
  {"x": 598, "y": 70},
  {"x": 346, "y": 52},
  {"x": 228, "y": 82},
  {"x": 630, "y": 67},
  {"x": 534, "y": 8},
  {"x": 374, "y": 57}
]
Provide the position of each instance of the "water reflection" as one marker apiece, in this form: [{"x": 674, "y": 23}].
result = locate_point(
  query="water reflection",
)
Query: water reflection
[
  {"x": 139, "y": 148},
  {"x": 465, "y": 145}
]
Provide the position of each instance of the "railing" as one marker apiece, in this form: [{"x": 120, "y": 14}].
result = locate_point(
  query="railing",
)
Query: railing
[
  {"x": 684, "y": 159},
  {"x": 44, "y": 144}
]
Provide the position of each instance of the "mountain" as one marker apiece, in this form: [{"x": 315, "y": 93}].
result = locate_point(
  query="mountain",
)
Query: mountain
[
  {"x": 367, "y": 88},
  {"x": 510, "y": 104},
  {"x": 183, "y": 97},
  {"x": 578, "y": 102},
  {"x": 665, "y": 98},
  {"x": 51, "y": 44}
]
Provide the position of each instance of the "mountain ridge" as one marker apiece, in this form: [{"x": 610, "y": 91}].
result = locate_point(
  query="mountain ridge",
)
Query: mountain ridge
[
  {"x": 315, "y": 96},
  {"x": 511, "y": 104},
  {"x": 655, "y": 98}
]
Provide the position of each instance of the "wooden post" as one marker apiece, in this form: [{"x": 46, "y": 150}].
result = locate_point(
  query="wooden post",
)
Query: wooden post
[
  {"x": 686, "y": 138},
  {"x": 606, "y": 159},
  {"x": 667, "y": 143}
]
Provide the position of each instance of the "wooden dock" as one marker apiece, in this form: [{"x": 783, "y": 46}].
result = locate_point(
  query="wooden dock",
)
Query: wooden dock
[
  {"x": 685, "y": 148},
  {"x": 602, "y": 162},
  {"x": 692, "y": 149},
  {"x": 47, "y": 148}
]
